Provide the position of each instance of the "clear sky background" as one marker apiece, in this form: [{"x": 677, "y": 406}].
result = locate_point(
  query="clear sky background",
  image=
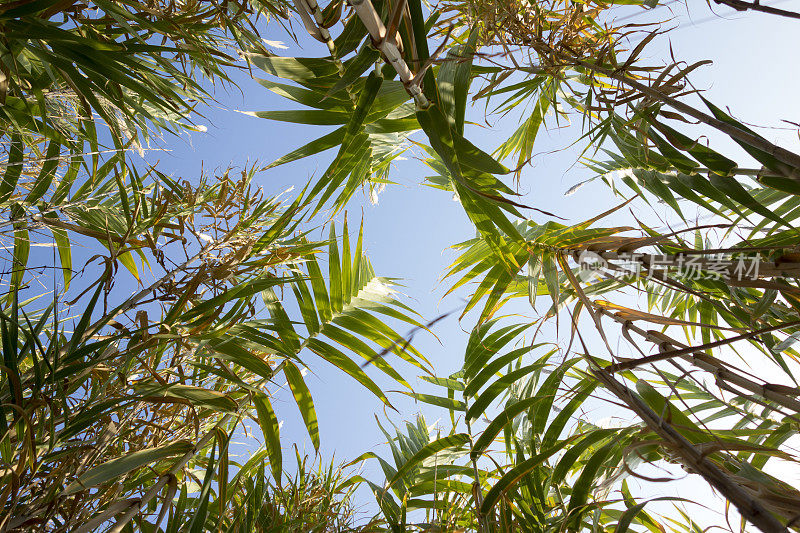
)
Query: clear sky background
[{"x": 408, "y": 233}]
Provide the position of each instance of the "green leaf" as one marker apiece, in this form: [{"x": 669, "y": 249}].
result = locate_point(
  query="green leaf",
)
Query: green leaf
[
  {"x": 197, "y": 396},
  {"x": 335, "y": 272},
  {"x": 675, "y": 157},
  {"x": 439, "y": 401},
  {"x": 719, "y": 164},
  {"x": 316, "y": 117},
  {"x": 365, "y": 100},
  {"x": 534, "y": 272},
  {"x": 326, "y": 142},
  {"x": 550, "y": 274},
  {"x": 497, "y": 425},
  {"x": 120, "y": 466},
  {"x": 482, "y": 206},
  {"x": 272, "y": 440},
  {"x": 448, "y": 383},
  {"x": 472, "y": 156},
  {"x": 241, "y": 292},
  {"x": 320, "y": 290},
  {"x": 46, "y": 174},
  {"x": 587, "y": 480},
  {"x": 22, "y": 246},
  {"x": 297, "y": 69},
  {"x": 13, "y": 168},
  {"x": 344, "y": 363},
  {"x": 762, "y": 157},
  {"x": 547, "y": 393},
  {"x": 430, "y": 449},
  {"x": 305, "y": 96},
  {"x": 304, "y": 401},
  {"x": 198, "y": 522},
  {"x": 492, "y": 368},
  {"x": 664, "y": 408},
  {"x": 495, "y": 389},
  {"x": 734, "y": 190},
  {"x": 363, "y": 60},
  {"x": 568, "y": 461},
  {"x": 563, "y": 417},
  {"x": 633, "y": 511},
  {"x": 454, "y": 80},
  {"x": 513, "y": 476}
]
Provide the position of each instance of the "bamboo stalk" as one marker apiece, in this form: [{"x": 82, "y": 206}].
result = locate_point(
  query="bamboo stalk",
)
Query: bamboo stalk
[
  {"x": 377, "y": 31},
  {"x": 749, "y": 507},
  {"x": 317, "y": 29},
  {"x": 388, "y": 46}
]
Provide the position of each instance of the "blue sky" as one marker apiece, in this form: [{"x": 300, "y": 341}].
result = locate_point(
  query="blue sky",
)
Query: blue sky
[{"x": 408, "y": 233}]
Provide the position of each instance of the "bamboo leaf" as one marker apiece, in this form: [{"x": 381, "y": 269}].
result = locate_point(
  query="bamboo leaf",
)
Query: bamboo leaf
[
  {"x": 430, "y": 449},
  {"x": 513, "y": 476},
  {"x": 272, "y": 440},
  {"x": 120, "y": 466},
  {"x": 304, "y": 401}
]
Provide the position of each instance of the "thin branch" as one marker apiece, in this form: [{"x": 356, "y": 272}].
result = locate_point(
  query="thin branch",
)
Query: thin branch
[
  {"x": 710, "y": 364},
  {"x": 784, "y": 156},
  {"x": 740, "y": 5},
  {"x": 131, "y": 302},
  {"x": 669, "y": 354}
]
